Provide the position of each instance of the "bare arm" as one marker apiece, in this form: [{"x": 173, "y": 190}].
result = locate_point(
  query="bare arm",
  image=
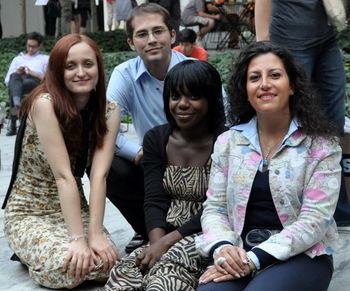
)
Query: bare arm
[
  {"x": 262, "y": 19},
  {"x": 101, "y": 163},
  {"x": 33, "y": 74},
  {"x": 207, "y": 15},
  {"x": 53, "y": 145},
  {"x": 212, "y": 8}
]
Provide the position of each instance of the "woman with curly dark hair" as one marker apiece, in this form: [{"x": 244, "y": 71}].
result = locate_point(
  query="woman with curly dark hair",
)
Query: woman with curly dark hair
[{"x": 274, "y": 182}]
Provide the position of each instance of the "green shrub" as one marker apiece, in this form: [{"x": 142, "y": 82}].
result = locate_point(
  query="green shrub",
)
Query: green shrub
[
  {"x": 223, "y": 62},
  {"x": 344, "y": 40},
  {"x": 109, "y": 41},
  {"x": 5, "y": 61}
]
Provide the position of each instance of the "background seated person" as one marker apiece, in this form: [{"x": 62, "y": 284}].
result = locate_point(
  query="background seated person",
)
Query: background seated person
[
  {"x": 195, "y": 13},
  {"x": 187, "y": 38},
  {"x": 25, "y": 73},
  {"x": 176, "y": 167}
]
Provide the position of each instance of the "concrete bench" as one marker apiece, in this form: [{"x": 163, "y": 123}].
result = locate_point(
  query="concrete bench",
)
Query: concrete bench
[{"x": 341, "y": 275}]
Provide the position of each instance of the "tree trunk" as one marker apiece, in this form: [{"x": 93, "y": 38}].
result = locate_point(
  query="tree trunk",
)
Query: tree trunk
[
  {"x": 23, "y": 16},
  {"x": 94, "y": 25},
  {"x": 66, "y": 16}
]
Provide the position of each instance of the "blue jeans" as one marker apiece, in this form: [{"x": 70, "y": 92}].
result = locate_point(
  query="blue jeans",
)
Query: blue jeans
[{"x": 325, "y": 68}]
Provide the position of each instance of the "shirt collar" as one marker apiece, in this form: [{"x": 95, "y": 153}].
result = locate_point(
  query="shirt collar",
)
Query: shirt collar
[
  {"x": 249, "y": 131},
  {"x": 23, "y": 54},
  {"x": 143, "y": 70}
]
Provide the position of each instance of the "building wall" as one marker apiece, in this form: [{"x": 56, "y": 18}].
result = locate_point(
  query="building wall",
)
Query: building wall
[{"x": 11, "y": 17}]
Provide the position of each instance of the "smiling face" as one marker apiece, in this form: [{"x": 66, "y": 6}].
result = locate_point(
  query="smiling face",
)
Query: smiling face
[
  {"x": 156, "y": 48},
  {"x": 188, "y": 111},
  {"x": 268, "y": 86},
  {"x": 81, "y": 70}
]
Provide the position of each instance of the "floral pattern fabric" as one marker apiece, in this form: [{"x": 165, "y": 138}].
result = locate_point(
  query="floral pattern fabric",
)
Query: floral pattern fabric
[
  {"x": 304, "y": 178},
  {"x": 34, "y": 225}
]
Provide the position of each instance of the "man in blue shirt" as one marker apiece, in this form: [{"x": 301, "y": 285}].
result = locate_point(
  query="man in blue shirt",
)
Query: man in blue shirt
[{"x": 137, "y": 86}]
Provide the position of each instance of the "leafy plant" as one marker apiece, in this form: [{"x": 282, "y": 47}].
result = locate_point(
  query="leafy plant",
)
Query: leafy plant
[
  {"x": 344, "y": 40},
  {"x": 109, "y": 41},
  {"x": 223, "y": 62}
]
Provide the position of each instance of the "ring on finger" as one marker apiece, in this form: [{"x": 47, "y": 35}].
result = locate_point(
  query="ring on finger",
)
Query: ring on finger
[{"x": 221, "y": 260}]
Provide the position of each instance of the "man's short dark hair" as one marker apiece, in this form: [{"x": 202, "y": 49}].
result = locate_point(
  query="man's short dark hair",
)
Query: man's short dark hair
[
  {"x": 147, "y": 8},
  {"x": 35, "y": 36},
  {"x": 187, "y": 35}
]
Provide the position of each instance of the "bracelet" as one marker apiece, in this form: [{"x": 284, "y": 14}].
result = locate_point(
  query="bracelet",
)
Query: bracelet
[
  {"x": 76, "y": 237},
  {"x": 252, "y": 268}
]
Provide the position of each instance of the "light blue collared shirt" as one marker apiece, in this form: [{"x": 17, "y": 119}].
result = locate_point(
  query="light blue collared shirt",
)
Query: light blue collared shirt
[
  {"x": 250, "y": 131},
  {"x": 139, "y": 93}
]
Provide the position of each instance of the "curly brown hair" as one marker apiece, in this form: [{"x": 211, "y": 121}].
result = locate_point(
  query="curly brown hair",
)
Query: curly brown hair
[{"x": 303, "y": 104}]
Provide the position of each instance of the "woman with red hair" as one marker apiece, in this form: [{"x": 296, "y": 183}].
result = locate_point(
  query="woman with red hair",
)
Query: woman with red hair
[{"x": 67, "y": 125}]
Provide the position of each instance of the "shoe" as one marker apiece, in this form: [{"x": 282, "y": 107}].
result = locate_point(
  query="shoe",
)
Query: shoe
[
  {"x": 136, "y": 241},
  {"x": 14, "y": 257},
  {"x": 11, "y": 132}
]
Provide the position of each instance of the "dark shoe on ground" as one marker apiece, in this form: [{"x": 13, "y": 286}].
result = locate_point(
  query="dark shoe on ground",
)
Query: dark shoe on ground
[
  {"x": 135, "y": 242},
  {"x": 14, "y": 257},
  {"x": 11, "y": 132}
]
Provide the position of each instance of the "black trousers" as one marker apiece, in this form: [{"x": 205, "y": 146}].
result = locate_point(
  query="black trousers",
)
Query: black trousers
[{"x": 125, "y": 189}]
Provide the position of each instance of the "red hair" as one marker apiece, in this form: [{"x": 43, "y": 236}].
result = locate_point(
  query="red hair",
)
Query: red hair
[{"x": 65, "y": 108}]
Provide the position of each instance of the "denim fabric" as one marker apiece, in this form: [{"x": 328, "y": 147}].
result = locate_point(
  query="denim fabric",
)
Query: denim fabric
[
  {"x": 324, "y": 66},
  {"x": 20, "y": 85}
]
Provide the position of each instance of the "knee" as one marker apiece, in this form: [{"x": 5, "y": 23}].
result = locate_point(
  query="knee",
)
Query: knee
[
  {"x": 122, "y": 169},
  {"x": 15, "y": 76},
  {"x": 29, "y": 85},
  {"x": 211, "y": 23}
]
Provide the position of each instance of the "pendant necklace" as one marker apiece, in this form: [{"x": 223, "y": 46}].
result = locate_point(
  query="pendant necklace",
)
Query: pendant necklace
[{"x": 265, "y": 163}]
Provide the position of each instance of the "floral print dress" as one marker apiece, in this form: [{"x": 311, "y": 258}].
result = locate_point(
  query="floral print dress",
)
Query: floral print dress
[{"x": 34, "y": 224}]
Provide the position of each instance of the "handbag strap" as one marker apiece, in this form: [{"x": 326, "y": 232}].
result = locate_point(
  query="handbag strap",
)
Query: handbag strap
[{"x": 17, "y": 154}]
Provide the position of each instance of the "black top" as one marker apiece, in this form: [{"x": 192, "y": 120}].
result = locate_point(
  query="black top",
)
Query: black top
[
  {"x": 299, "y": 25},
  {"x": 261, "y": 212}
]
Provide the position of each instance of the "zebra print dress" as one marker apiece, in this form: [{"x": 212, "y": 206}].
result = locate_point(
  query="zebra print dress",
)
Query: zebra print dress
[{"x": 180, "y": 267}]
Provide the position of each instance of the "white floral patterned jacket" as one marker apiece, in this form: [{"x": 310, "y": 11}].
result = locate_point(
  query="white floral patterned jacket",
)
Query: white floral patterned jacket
[{"x": 304, "y": 178}]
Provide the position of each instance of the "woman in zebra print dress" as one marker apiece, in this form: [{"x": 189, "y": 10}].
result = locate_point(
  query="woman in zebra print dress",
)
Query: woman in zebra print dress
[{"x": 176, "y": 165}]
